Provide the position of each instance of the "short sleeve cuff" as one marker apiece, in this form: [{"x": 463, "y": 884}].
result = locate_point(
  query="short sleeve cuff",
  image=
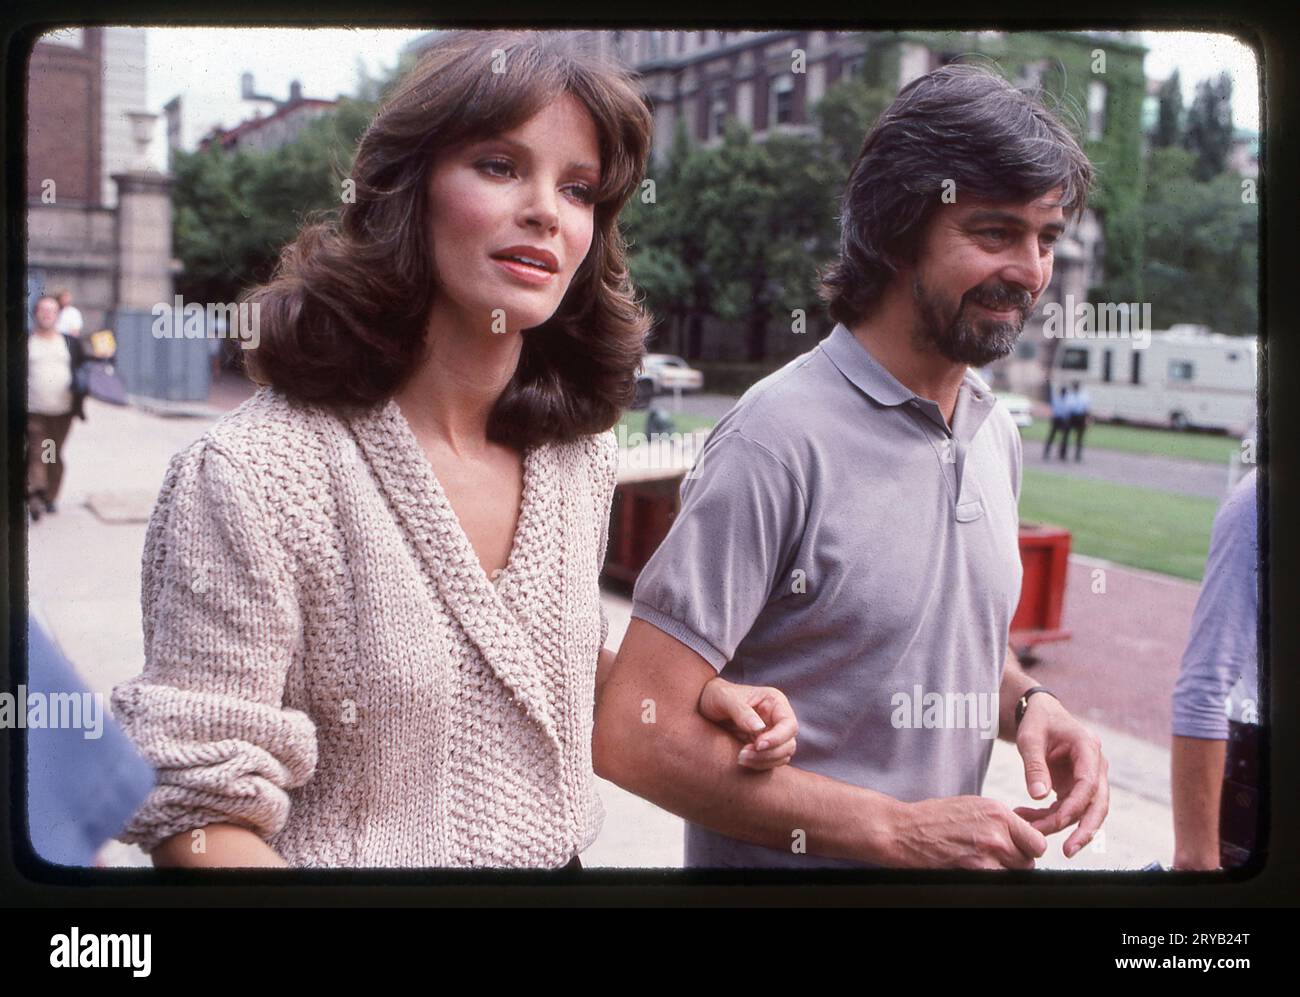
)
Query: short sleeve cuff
[{"x": 680, "y": 631}]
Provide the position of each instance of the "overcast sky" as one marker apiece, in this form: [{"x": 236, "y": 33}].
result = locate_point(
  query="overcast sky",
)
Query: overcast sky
[{"x": 203, "y": 65}]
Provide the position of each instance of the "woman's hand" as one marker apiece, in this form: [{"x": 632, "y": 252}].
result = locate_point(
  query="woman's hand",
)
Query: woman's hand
[{"x": 758, "y": 715}]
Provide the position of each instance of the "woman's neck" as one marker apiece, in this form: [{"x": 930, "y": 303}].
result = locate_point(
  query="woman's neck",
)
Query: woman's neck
[{"x": 462, "y": 374}]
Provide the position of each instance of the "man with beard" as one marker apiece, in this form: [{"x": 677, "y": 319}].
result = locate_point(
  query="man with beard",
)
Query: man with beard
[{"x": 849, "y": 534}]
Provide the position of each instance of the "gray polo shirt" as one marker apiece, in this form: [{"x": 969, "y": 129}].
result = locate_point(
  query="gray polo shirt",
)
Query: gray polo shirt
[{"x": 838, "y": 540}]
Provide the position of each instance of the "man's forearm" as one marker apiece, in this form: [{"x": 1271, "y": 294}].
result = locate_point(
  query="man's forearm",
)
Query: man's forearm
[
  {"x": 1014, "y": 684},
  {"x": 651, "y": 740},
  {"x": 1197, "y": 780}
]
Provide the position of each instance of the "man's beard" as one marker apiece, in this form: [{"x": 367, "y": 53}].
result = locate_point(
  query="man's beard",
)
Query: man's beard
[{"x": 965, "y": 339}]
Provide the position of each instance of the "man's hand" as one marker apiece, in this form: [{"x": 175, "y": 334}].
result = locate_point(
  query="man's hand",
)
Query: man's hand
[
  {"x": 964, "y": 832},
  {"x": 758, "y": 715},
  {"x": 1061, "y": 754}
]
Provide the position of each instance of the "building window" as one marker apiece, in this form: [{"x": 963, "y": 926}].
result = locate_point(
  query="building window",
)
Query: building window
[
  {"x": 1181, "y": 370},
  {"x": 1026, "y": 349},
  {"x": 780, "y": 110},
  {"x": 1074, "y": 358},
  {"x": 718, "y": 112},
  {"x": 1106, "y": 358},
  {"x": 1135, "y": 368},
  {"x": 1096, "y": 109}
]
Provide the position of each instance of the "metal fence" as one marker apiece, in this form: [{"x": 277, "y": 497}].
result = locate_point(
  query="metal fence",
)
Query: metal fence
[{"x": 168, "y": 369}]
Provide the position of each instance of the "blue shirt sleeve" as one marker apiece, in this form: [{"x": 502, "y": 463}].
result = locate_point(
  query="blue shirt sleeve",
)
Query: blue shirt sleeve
[
  {"x": 1222, "y": 649},
  {"x": 82, "y": 782}
]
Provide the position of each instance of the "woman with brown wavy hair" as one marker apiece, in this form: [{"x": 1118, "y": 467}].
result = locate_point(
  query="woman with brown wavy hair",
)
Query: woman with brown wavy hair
[{"x": 372, "y": 622}]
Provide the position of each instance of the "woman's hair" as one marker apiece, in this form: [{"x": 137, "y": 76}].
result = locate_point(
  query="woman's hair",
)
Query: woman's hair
[
  {"x": 960, "y": 124},
  {"x": 343, "y": 317}
]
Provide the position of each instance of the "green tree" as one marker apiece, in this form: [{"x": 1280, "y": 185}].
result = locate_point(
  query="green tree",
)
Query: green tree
[
  {"x": 664, "y": 249},
  {"x": 1169, "y": 126},
  {"x": 1209, "y": 126},
  {"x": 768, "y": 215},
  {"x": 845, "y": 115},
  {"x": 234, "y": 211},
  {"x": 1201, "y": 246}
]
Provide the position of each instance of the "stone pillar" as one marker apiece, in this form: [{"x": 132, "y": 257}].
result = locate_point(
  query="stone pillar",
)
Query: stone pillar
[
  {"x": 144, "y": 239},
  {"x": 167, "y": 368}
]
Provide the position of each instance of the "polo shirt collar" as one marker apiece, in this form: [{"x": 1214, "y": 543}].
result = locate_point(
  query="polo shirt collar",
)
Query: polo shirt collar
[
  {"x": 862, "y": 370},
  {"x": 975, "y": 399}
]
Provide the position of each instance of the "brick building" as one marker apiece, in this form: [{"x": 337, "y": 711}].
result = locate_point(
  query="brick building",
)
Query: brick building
[
  {"x": 265, "y": 132},
  {"x": 82, "y": 84}
]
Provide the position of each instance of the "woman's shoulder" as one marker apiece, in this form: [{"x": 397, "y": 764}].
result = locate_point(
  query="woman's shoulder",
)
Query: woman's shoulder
[
  {"x": 591, "y": 458},
  {"x": 598, "y": 451},
  {"x": 273, "y": 429},
  {"x": 269, "y": 441}
]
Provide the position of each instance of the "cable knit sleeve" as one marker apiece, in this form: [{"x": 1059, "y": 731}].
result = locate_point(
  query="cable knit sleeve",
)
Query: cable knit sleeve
[
  {"x": 606, "y": 473},
  {"x": 221, "y": 625}
]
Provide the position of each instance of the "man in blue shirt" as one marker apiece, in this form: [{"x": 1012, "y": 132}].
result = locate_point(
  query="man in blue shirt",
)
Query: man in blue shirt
[
  {"x": 1061, "y": 409},
  {"x": 1078, "y": 405}
]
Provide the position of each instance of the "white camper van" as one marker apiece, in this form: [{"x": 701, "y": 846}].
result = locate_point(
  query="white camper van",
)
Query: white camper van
[{"x": 1185, "y": 377}]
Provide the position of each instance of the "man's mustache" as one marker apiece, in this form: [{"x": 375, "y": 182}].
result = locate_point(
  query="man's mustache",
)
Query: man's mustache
[{"x": 1008, "y": 299}]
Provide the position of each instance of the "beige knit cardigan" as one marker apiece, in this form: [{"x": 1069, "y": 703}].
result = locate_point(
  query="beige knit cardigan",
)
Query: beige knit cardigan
[{"x": 327, "y": 664}]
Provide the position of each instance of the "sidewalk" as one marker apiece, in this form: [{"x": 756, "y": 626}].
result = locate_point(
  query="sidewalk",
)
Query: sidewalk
[
  {"x": 84, "y": 584},
  {"x": 1167, "y": 474}
]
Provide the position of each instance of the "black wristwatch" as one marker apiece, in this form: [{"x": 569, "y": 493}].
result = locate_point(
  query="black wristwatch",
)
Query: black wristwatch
[{"x": 1023, "y": 702}]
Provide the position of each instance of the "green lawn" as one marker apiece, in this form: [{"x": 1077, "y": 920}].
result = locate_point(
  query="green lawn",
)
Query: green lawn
[
  {"x": 1140, "y": 527},
  {"x": 1131, "y": 439}
]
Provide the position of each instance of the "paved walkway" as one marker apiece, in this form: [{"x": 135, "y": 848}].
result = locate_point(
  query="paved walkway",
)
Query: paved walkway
[
  {"x": 1116, "y": 673},
  {"x": 1169, "y": 474}
]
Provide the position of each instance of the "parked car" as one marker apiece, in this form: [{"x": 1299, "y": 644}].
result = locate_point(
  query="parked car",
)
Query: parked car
[
  {"x": 667, "y": 373},
  {"x": 1020, "y": 407}
]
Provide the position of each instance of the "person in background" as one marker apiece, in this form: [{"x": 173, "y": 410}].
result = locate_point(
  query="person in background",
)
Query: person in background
[
  {"x": 1216, "y": 712},
  {"x": 1079, "y": 406},
  {"x": 70, "y": 321},
  {"x": 1061, "y": 407},
  {"x": 55, "y": 394}
]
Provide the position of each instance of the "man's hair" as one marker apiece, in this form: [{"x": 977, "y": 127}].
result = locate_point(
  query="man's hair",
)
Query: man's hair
[
  {"x": 960, "y": 123},
  {"x": 343, "y": 318}
]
